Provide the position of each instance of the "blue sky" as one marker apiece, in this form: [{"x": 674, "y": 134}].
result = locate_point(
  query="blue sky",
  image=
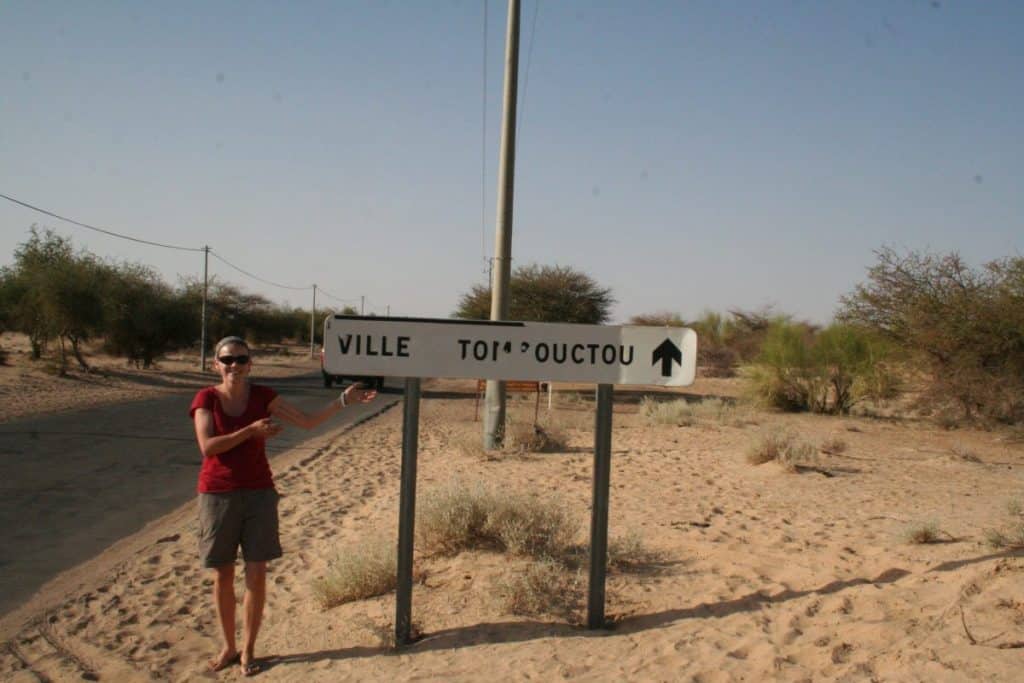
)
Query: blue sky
[{"x": 689, "y": 155}]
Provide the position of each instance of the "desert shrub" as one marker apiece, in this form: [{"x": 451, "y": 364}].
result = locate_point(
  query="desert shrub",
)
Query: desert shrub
[
  {"x": 782, "y": 447},
  {"x": 540, "y": 589},
  {"x": 1011, "y": 535},
  {"x": 521, "y": 437},
  {"x": 363, "y": 571},
  {"x": 833, "y": 445},
  {"x": 463, "y": 517},
  {"x": 962, "y": 453},
  {"x": 677, "y": 413},
  {"x": 927, "y": 532},
  {"x": 682, "y": 413},
  {"x": 824, "y": 371},
  {"x": 963, "y": 327}
]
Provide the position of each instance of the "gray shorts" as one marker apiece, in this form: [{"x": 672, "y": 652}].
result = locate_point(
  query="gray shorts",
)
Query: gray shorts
[{"x": 246, "y": 517}]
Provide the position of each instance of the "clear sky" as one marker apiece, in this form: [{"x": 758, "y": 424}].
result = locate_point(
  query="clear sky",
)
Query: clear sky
[{"x": 689, "y": 155}]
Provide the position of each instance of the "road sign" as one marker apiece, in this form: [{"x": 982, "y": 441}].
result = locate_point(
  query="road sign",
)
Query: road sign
[{"x": 429, "y": 347}]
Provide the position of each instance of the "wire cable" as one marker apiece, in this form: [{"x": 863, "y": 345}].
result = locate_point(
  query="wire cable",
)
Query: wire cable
[
  {"x": 257, "y": 277},
  {"x": 93, "y": 227},
  {"x": 336, "y": 298},
  {"x": 526, "y": 76}
]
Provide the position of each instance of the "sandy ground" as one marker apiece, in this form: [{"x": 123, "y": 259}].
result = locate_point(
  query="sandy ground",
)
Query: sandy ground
[{"x": 763, "y": 574}]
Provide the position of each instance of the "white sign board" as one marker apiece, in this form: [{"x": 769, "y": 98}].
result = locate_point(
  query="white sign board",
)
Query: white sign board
[{"x": 425, "y": 347}]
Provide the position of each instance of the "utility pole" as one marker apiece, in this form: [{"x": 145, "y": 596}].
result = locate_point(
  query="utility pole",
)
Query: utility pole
[
  {"x": 312, "y": 325},
  {"x": 494, "y": 401},
  {"x": 362, "y": 305},
  {"x": 202, "y": 334}
]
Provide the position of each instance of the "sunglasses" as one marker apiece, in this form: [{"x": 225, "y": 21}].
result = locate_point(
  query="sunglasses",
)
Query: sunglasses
[{"x": 233, "y": 360}]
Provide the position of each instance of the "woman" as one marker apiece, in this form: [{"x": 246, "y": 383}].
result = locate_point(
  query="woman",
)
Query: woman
[{"x": 237, "y": 499}]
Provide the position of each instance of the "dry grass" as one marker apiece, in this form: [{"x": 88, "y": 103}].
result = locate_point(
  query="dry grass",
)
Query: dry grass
[
  {"x": 543, "y": 588},
  {"x": 926, "y": 532},
  {"x": 529, "y": 438},
  {"x": 833, "y": 445},
  {"x": 682, "y": 413},
  {"x": 961, "y": 453},
  {"x": 1011, "y": 536},
  {"x": 362, "y": 572},
  {"x": 463, "y": 517},
  {"x": 782, "y": 447}
]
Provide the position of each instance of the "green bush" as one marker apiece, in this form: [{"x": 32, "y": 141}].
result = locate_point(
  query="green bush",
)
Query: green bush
[{"x": 824, "y": 371}]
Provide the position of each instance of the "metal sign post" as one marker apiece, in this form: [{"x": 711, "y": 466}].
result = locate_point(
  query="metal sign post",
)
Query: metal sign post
[
  {"x": 417, "y": 347},
  {"x": 599, "y": 512},
  {"x": 407, "y": 511}
]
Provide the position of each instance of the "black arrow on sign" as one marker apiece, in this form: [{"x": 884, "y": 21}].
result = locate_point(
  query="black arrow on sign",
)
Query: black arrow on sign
[{"x": 666, "y": 353}]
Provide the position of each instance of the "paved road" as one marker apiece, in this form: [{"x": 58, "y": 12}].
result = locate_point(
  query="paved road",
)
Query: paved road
[{"x": 72, "y": 484}]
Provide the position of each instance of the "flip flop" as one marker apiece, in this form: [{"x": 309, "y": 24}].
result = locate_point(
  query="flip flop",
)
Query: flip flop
[
  {"x": 250, "y": 668},
  {"x": 220, "y": 666}
]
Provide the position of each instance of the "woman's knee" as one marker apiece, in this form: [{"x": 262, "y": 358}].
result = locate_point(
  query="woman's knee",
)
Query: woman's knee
[
  {"x": 224, "y": 574},
  {"x": 255, "y": 575}
]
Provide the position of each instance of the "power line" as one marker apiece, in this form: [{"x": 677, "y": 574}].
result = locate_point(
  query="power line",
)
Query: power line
[
  {"x": 336, "y": 298},
  {"x": 526, "y": 76},
  {"x": 257, "y": 277},
  {"x": 168, "y": 246},
  {"x": 92, "y": 227}
]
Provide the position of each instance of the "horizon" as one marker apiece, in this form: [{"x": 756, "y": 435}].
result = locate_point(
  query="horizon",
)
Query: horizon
[{"x": 690, "y": 158}]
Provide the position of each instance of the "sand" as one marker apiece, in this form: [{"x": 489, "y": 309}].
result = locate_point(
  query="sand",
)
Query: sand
[{"x": 762, "y": 573}]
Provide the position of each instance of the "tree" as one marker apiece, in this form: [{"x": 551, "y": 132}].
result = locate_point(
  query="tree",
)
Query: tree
[
  {"x": 59, "y": 294},
  {"x": 556, "y": 294},
  {"x": 963, "y": 327},
  {"x": 145, "y": 317}
]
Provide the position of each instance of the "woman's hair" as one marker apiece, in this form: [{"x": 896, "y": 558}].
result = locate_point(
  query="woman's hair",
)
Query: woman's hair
[{"x": 229, "y": 340}]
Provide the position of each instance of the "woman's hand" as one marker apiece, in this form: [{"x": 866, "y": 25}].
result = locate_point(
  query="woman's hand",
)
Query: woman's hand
[
  {"x": 265, "y": 428},
  {"x": 356, "y": 393}
]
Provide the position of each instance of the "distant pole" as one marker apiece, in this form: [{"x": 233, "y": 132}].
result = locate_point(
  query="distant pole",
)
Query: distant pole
[
  {"x": 387, "y": 311},
  {"x": 202, "y": 334},
  {"x": 494, "y": 401},
  {"x": 362, "y": 305},
  {"x": 312, "y": 325}
]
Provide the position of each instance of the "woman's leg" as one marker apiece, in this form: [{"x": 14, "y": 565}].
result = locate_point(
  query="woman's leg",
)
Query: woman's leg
[
  {"x": 224, "y": 599},
  {"x": 255, "y": 599}
]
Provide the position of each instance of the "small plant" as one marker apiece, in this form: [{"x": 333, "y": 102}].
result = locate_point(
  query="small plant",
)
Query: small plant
[
  {"x": 677, "y": 413},
  {"x": 532, "y": 438},
  {"x": 361, "y": 572},
  {"x": 542, "y": 588},
  {"x": 1012, "y": 535},
  {"x": 927, "y": 532},
  {"x": 783, "y": 448},
  {"x": 833, "y": 445},
  {"x": 964, "y": 454},
  {"x": 462, "y": 517},
  {"x": 682, "y": 413}
]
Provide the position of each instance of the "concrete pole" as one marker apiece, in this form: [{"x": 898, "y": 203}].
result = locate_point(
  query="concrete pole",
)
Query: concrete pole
[
  {"x": 202, "y": 334},
  {"x": 362, "y": 305},
  {"x": 494, "y": 401}
]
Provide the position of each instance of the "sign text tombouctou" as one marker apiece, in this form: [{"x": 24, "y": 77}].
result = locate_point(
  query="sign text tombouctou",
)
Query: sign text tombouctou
[{"x": 426, "y": 347}]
